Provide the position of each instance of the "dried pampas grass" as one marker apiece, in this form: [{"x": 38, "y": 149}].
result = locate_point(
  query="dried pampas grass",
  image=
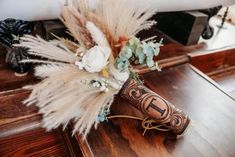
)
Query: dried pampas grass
[
  {"x": 96, "y": 34},
  {"x": 65, "y": 92},
  {"x": 82, "y": 7},
  {"x": 72, "y": 46},
  {"x": 76, "y": 24},
  {"x": 62, "y": 96},
  {"x": 105, "y": 30},
  {"x": 116, "y": 18},
  {"x": 125, "y": 17},
  {"x": 49, "y": 50}
]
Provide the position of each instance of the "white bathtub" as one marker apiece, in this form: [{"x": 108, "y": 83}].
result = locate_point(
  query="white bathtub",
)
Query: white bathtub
[{"x": 32, "y": 10}]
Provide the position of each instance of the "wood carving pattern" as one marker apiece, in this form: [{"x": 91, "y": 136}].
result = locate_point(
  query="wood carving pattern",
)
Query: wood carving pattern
[{"x": 155, "y": 106}]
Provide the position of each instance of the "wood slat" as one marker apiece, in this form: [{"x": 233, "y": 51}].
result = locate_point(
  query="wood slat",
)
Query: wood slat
[
  {"x": 210, "y": 61},
  {"x": 15, "y": 115},
  {"x": 9, "y": 81},
  {"x": 34, "y": 143},
  {"x": 226, "y": 79},
  {"x": 21, "y": 133}
]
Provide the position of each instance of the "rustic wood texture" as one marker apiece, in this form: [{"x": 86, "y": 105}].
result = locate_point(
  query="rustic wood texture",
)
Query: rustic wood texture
[
  {"x": 218, "y": 65},
  {"x": 226, "y": 79},
  {"x": 20, "y": 126},
  {"x": 9, "y": 81},
  {"x": 34, "y": 143},
  {"x": 211, "y": 111},
  {"x": 14, "y": 115},
  {"x": 211, "y": 61},
  {"x": 21, "y": 133},
  {"x": 209, "y": 107}
]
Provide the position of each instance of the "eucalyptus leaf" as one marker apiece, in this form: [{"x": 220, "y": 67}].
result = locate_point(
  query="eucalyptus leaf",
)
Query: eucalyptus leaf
[
  {"x": 140, "y": 52},
  {"x": 157, "y": 51},
  {"x": 134, "y": 41},
  {"x": 141, "y": 58},
  {"x": 149, "y": 51},
  {"x": 150, "y": 63},
  {"x": 128, "y": 53}
]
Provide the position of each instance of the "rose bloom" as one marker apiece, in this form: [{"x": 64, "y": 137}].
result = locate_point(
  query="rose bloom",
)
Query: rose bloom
[{"x": 96, "y": 58}]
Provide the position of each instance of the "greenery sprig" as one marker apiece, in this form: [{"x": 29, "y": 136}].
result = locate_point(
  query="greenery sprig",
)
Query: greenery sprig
[{"x": 140, "y": 52}]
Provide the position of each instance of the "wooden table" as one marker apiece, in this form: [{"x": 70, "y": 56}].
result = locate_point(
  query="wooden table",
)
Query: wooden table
[
  {"x": 212, "y": 131},
  {"x": 211, "y": 111}
]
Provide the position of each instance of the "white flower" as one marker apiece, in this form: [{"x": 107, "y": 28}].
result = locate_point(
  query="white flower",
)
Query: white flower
[
  {"x": 120, "y": 76},
  {"x": 96, "y": 58}
]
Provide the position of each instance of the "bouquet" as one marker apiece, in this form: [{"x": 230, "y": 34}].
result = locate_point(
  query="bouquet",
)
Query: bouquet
[{"x": 80, "y": 77}]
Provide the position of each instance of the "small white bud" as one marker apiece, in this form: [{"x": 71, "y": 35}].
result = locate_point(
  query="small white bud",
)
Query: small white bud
[
  {"x": 81, "y": 54},
  {"x": 106, "y": 90},
  {"x": 102, "y": 88}
]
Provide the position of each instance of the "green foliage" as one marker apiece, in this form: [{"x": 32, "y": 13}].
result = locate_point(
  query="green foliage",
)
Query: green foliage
[
  {"x": 103, "y": 114},
  {"x": 122, "y": 63},
  {"x": 140, "y": 52},
  {"x": 135, "y": 76}
]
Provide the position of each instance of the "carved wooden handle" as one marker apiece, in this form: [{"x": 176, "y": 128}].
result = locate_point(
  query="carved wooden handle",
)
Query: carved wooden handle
[{"x": 155, "y": 106}]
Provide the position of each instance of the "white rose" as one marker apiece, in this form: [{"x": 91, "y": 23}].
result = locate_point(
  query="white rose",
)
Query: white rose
[
  {"x": 120, "y": 76},
  {"x": 96, "y": 58}
]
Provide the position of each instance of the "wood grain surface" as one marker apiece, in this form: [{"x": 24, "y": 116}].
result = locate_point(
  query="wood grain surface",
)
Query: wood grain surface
[
  {"x": 226, "y": 79},
  {"x": 210, "y": 61},
  {"x": 13, "y": 114},
  {"x": 37, "y": 144},
  {"x": 9, "y": 81},
  {"x": 211, "y": 133},
  {"x": 21, "y": 133}
]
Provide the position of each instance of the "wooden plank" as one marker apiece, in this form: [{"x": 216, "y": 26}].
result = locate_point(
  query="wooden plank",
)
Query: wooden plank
[
  {"x": 163, "y": 64},
  {"x": 212, "y": 130},
  {"x": 35, "y": 143},
  {"x": 210, "y": 109},
  {"x": 210, "y": 61},
  {"x": 226, "y": 79},
  {"x": 21, "y": 133},
  {"x": 9, "y": 81},
  {"x": 15, "y": 117}
]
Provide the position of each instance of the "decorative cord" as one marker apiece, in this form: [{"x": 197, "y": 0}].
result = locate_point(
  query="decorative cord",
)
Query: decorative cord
[{"x": 147, "y": 123}]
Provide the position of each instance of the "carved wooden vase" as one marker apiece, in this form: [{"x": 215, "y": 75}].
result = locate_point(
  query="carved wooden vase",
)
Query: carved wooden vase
[{"x": 154, "y": 106}]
